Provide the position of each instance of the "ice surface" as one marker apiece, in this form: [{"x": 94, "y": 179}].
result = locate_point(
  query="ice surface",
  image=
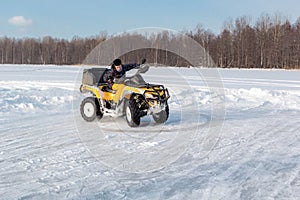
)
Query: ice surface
[{"x": 47, "y": 151}]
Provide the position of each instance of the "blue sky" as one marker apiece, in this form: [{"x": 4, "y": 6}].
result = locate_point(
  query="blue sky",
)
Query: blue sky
[{"x": 68, "y": 18}]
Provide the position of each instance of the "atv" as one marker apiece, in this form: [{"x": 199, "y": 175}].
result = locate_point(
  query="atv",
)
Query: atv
[{"x": 129, "y": 96}]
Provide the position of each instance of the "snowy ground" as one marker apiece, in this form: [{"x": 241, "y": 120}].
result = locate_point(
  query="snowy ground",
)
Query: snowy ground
[{"x": 251, "y": 152}]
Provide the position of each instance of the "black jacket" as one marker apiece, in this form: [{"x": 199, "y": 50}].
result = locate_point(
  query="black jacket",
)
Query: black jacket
[{"x": 112, "y": 73}]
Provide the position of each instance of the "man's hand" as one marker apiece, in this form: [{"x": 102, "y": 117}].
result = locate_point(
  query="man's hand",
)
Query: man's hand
[{"x": 143, "y": 61}]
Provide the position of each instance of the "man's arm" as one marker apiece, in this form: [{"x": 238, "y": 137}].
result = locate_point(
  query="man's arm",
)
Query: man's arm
[
  {"x": 108, "y": 77},
  {"x": 128, "y": 67}
]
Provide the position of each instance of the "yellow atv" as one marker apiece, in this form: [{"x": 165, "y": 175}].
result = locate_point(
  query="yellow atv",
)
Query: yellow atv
[{"x": 131, "y": 96}]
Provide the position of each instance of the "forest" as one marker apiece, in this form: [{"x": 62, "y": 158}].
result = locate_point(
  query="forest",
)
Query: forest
[{"x": 270, "y": 42}]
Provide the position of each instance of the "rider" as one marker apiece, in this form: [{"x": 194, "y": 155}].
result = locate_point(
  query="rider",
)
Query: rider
[{"x": 118, "y": 70}]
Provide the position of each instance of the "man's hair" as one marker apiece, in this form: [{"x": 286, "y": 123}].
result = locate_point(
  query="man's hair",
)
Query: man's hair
[{"x": 117, "y": 62}]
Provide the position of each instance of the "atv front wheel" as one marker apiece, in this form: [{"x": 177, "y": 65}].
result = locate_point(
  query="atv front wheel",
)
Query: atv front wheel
[
  {"x": 132, "y": 113},
  {"x": 162, "y": 116},
  {"x": 90, "y": 109}
]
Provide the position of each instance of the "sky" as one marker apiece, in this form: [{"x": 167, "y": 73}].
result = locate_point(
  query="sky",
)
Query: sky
[{"x": 69, "y": 18}]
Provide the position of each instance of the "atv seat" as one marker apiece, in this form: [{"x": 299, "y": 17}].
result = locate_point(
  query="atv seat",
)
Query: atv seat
[{"x": 107, "y": 89}]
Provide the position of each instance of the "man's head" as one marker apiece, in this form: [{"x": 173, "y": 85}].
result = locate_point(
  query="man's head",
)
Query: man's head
[{"x": 117, "y": 64}]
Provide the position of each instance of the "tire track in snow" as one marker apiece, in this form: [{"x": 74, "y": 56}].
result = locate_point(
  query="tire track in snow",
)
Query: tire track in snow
[
  {"x": 40, "y": 151},
  {"x": 264, "y": 146}
]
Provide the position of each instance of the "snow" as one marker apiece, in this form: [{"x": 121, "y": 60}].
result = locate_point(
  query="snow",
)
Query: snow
[{"x": 232, "y": 134}]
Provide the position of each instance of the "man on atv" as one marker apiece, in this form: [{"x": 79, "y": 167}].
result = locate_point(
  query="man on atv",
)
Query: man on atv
[{"x": 118, "y": 70}]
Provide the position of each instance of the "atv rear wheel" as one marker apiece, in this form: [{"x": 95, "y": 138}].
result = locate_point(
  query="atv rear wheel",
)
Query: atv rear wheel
[
  {"x": 90, "y": 109},
  {"x": 162, "y": 116},
  {"x": 132, "y": 113}
]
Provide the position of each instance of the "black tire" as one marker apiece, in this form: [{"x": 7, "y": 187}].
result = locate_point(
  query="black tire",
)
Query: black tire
[
  {"x": 132, "y": 113},
  {"x": 162, "y": 116},
  {"x": 90, "y": 109}
]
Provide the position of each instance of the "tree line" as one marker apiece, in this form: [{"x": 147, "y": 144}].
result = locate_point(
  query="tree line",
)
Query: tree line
[
  {"x": 272, "y": 42},
  {"x": 47, "y": 50}
]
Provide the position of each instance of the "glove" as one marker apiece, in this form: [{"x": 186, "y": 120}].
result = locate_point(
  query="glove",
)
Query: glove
[
  {"x": 143, "y": 61},
  {"x": 110, "y": 80}
]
